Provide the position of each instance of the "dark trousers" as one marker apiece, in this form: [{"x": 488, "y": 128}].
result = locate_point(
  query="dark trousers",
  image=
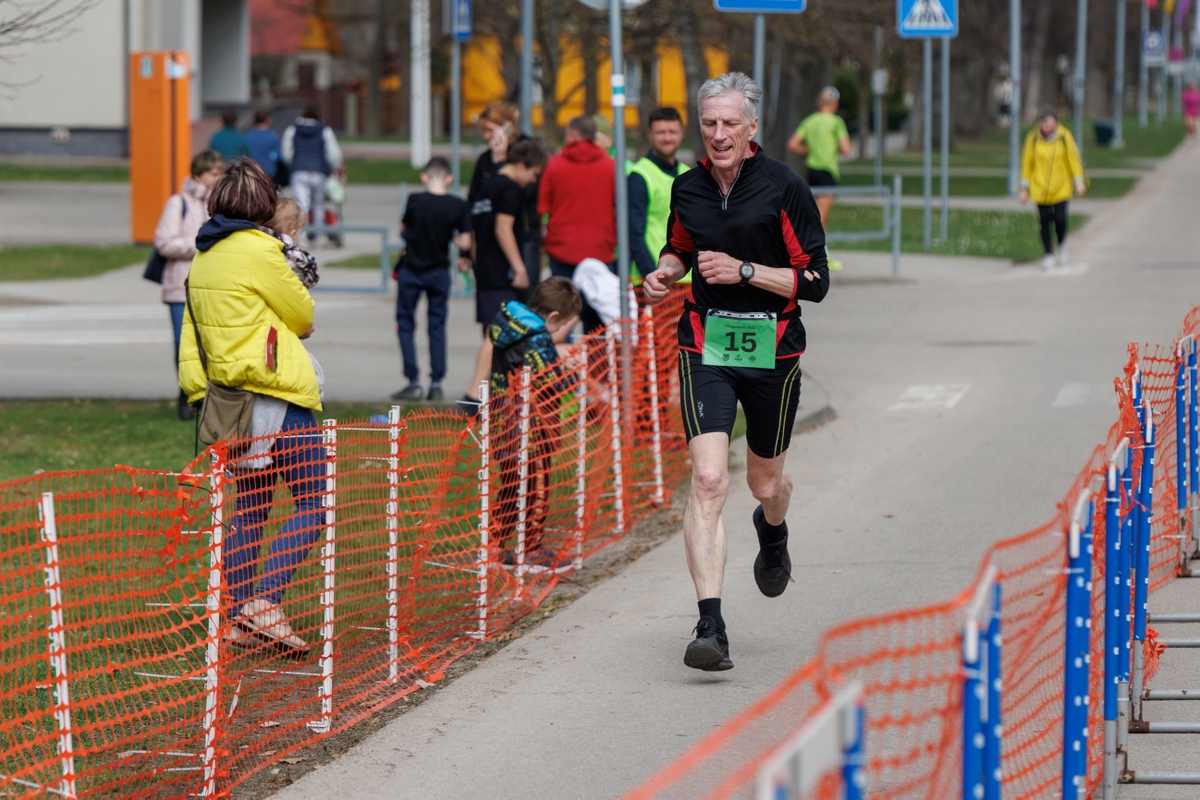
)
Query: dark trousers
[
  {"x": 436, "y": 286},
  {"x": 1056, "y": 215},
  {"x": 531, "y": 254},
  {"x": 299, "y": 459},
  {"x": 590, "y": 319},
  {"x": 176, "y": 310}
]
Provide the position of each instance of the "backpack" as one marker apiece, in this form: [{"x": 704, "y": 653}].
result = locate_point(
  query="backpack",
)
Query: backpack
[{"x": 157, "y": 262}]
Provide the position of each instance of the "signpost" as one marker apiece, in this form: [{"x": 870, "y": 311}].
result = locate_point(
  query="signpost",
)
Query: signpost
[
  {"x": 758, "y": 8},
  {"x": 929, "y": 20},
  {"x": 458, "y": 25}
]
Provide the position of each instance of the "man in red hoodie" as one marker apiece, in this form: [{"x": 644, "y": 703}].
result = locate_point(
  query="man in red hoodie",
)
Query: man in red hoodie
[{"x": 578, "y": 192}]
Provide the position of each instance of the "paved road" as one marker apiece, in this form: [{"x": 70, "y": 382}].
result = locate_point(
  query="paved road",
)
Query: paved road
[{"x": 895, "y": 503}]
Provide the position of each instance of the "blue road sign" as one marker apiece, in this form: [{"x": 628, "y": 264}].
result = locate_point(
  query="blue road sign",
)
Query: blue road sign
[
  {"x": 927, "y": 19},
  {"x": 762, "y": 6},
  {"x": 1154, "y": 48},
  {"x": 460, "y": 22}
]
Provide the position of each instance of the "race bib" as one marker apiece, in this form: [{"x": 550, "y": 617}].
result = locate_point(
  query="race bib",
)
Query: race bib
[{"x": 739, "y": 340}]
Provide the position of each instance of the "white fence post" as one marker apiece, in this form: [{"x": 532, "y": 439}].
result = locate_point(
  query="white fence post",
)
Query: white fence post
[
  {"x": 393, "y": 552},
  {"x": 523, "y": 473},
  {"x": 56, "y": 632},
  {"x": 614, "y": 402},
  {"x": 655, "y": 420},
  {"x": 328, "y": 563},
  {"x": 212, "y": 650},
  {"x": 581, "y": 395},
  {"x": 485, "y": 485}
]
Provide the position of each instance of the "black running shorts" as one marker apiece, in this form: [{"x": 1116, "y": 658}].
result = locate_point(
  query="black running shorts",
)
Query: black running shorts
[
  {"x": 709, "y": 396},
  {"x": 821, "y": 177}
]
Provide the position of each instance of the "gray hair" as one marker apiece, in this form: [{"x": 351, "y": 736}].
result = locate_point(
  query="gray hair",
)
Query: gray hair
[{"x": 729, "y": 83}]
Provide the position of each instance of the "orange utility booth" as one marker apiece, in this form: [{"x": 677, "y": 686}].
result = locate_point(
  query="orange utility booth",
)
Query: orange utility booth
[{"x": 160, "y": 134}]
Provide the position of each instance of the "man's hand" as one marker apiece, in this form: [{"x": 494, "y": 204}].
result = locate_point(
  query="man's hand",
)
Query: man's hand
[
  {"x": 520, "y": 279},
  {"x": 464, "y": 264},
  {"x": 1023, "y": 196},
  {"x": 719, "y": 268},
  {"x": 655, "y": 286}
]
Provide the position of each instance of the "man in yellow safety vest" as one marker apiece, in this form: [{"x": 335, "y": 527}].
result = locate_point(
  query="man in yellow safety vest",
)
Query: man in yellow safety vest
[{"x": 650, "y": 179}]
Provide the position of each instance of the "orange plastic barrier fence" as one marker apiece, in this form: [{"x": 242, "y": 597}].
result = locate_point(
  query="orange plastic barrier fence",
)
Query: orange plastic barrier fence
[
  {"x": 910, "y": 663},
  {"x": 390, "y": 547}
]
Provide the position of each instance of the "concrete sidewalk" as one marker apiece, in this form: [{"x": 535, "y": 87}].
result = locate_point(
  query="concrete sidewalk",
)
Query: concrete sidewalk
[{"x": 895, "y": 503}]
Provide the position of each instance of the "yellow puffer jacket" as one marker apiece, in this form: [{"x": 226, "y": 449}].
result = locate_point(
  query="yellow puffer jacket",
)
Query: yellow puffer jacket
[
  {"x": 1050, "y": 167},
  {"x": 241, "y": 289}
]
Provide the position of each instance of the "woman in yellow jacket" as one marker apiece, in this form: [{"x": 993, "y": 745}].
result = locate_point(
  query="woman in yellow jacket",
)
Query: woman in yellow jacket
[
  {"x": 1050, "y": 167},
  {"x": 250, "y": 313}
]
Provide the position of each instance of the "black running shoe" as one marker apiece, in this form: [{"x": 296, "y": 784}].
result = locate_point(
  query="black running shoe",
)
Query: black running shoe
[
  {"x": 773, "y": 566},
  {"x": 411, "y": 392},
  {"x": 709, "y": 651}
]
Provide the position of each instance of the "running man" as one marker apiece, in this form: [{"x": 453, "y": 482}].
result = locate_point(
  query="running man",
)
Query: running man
[
  {"x": 749, "y": 230},
  {"x": 821, "y": 138}
]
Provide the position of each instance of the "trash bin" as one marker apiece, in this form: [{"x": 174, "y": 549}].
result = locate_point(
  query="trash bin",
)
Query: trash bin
[{"x": 1104, "y": 131}]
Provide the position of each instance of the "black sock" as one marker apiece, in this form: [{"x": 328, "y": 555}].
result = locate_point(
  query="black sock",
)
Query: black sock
[
  {"x": 711, "y": 607},
  {"x": 769, "y": 534}
]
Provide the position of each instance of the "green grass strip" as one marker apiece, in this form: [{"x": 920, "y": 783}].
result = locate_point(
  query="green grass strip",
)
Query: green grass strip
[{"x": 50, "y": 261}]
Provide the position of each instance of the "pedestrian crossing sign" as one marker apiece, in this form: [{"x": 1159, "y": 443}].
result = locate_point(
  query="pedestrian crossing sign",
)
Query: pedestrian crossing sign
[{"x": 927, "y": 19}]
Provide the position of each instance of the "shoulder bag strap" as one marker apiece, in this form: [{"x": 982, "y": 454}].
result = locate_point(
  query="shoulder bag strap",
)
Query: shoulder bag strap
[{"x": 195, "y": 328}]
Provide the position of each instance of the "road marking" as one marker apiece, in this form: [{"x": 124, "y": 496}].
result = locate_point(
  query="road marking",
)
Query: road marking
[
  {"x": 1085, "y": 394},
  {"x": 935, "y": 397}
]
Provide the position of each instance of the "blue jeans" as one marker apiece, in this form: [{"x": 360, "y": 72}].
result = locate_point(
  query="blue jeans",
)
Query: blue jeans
[
  {"x": 298, "y": 457},
  {"x": 436, "y": 286},
  {"x": 176, "y": 310}
]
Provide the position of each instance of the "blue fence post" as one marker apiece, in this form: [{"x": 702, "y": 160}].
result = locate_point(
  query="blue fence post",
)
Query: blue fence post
[
  {"x": 1124, "y": 626},
  {"x": 1144, "y": 514},
  {"x": 854, "y": 779},
  {"x": 1193, "y": 428},
  {"x": 993, "y": 733},
  {"x": 1182, "y": 452},
  {"x": 1113, "y": 614},
  {"x": 1078, "y": 624}
]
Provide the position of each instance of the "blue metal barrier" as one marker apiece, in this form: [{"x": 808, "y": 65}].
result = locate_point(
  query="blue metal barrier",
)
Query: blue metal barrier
[
  {"x": 992, "y": 730},
  {"x": 385, "y": 251},
  {"x": 1114, "y": 613},
  {"x": 1143, "y": 514},
  {"x": 1078, "y": 646},
  {"x": 831, "y": 739},
  {"x": 891, "y": 215},
  {"x": 980, "y": 681}
]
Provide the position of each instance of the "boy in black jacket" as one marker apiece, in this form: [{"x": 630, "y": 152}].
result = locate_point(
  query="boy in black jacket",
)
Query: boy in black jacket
[{"x": 432, "y": 220}]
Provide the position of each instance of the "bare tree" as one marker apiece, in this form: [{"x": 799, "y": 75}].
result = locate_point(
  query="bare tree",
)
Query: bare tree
[{"x": 26, "y": 22}]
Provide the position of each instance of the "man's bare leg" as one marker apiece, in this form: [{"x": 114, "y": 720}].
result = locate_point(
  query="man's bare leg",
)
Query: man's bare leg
[
  {"x": 772, "y": 487},
  {"x": 824, "y": 205},
  {"x": 703, "y": 525},
  {"x": 704, "y": 542}
]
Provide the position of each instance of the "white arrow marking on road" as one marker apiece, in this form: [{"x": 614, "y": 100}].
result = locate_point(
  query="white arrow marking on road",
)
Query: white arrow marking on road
[{"x": 923, "y": 398}]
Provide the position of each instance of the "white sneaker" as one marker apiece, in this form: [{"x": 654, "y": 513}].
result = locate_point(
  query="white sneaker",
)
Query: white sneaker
[
  {"x": 268, "y": 623},
  {"x": 1048, "y": 261},
  {"x": 1062, "y": 255}
]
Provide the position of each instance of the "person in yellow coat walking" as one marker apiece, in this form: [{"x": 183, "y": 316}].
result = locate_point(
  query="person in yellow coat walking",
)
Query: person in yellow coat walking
[{"x": 1050, "y": 168}]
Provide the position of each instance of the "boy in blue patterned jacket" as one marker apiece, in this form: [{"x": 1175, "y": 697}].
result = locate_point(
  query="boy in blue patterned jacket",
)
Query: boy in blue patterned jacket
[{"x": 528, "y": 336}]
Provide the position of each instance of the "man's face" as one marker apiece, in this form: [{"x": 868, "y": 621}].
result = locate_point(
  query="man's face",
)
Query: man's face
[
  {"x": 665, "y": 137},
  {"x": 727, "y": 132}
]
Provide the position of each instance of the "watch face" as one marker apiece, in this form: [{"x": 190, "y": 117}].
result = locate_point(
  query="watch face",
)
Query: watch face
[{"x": 747, "y": 270}]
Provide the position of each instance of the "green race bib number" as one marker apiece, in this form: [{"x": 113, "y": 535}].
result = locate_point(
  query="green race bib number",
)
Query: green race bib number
[{"x": 739, "y": 340}]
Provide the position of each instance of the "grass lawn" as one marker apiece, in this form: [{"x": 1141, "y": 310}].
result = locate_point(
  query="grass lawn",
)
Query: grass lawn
[
  {"x": 998, "y": 234},
  {"x": 368, "y": 261},
  {"x": 21, "y": 172},
  {"x": 54, "y": 435},
  {"x": 380, "y": 171},
  {"x": 986, "y": 187},
  {"x": 991, "y": 150},
  {"x": 42, "y": 262}
]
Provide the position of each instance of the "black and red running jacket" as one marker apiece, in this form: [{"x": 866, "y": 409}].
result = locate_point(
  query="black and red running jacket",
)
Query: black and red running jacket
[{"x": 769, "y": 217}]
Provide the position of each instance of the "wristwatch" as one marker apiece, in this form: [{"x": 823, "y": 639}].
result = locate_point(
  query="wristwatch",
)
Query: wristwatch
[{"x": 747, "y": 271}]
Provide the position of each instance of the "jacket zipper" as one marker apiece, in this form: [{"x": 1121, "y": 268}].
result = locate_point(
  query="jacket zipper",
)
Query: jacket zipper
[{"x": 725, "y": 197}]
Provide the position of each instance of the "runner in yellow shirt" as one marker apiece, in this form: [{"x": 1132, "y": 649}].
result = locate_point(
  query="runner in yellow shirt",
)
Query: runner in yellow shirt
[{"x": 821, "y": 138}]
